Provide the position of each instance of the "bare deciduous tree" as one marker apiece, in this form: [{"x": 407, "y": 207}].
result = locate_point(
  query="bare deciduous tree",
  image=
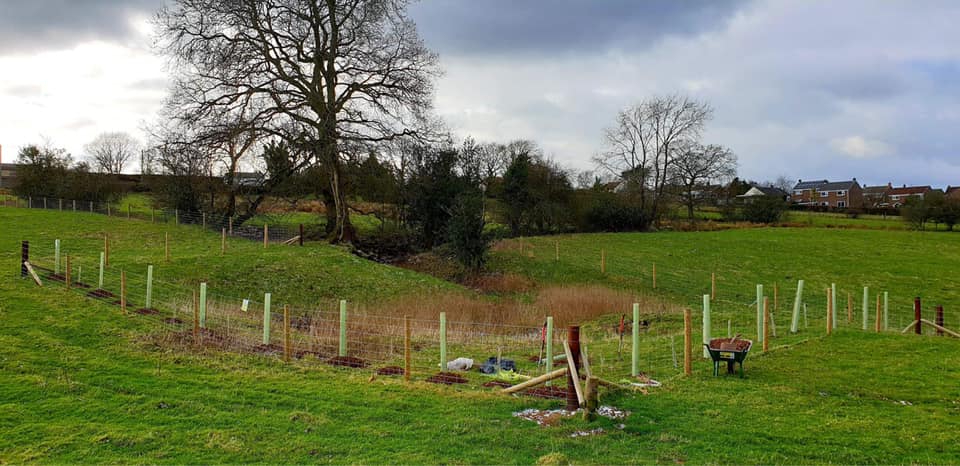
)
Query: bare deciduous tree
[
  {"x": 322, "y": 73},
  {"x": 110, "y": 152},
  {"x": 695, "y": 166},
  {"x": 642, "y": 143}
]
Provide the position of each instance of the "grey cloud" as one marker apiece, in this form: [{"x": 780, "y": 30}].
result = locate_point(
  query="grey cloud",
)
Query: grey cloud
[
  {"x": 525, "y": 26},
  {"x": 31, "y": 25}
]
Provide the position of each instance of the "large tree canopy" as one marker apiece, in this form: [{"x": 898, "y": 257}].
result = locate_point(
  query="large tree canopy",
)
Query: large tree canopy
[{"x": 319, "y": 73}]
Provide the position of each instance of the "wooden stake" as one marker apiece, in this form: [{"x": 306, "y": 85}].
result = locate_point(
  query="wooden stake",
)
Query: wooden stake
[
  {"x": 766, "y": 324},
  {"x": 849, "y": 307},
  {"x": 603, "y": 261},
  {"x": 713, "y": 285},
  {"x": 166, "y": 246},
  {"x": 536, "y": 381},
  {"x": 123, "y": 292},
  {"x": 406, "y": 348},
  {"x": 106, "y": 251},
  {"x": 556, "y": 247},
  {"x": 33, "y": 274},
  {"x": 286, "y": 334},
  {"x": 571, "y": 364},
  {"x": 939, "y": 327},
  {"x": 266, "y": 235},
  {"x": 196, "y": 317},
  {"x": 230, "y": 227},
  {"x": 591, "y": 400},
  {"x": 687, "y": 342},
  {"x": 654, "y": 275},
  {"x": 878, "y": 314},
  {"x": 223, "y": 241},
  {"x": 66, "y": 277},
  {"x": 776, "y": 291}
]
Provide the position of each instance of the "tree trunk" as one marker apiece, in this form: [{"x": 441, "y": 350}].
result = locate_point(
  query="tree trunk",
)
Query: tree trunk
[{"x": 343, "y": 231}]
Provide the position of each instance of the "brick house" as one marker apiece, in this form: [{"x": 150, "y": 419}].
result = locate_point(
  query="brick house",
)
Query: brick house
[
  {"x": 8, "y": 173},
  {"x": 825, "y": 193},
  {"x": 898, "y": 196},
  {"x": 953, "y": 192}
]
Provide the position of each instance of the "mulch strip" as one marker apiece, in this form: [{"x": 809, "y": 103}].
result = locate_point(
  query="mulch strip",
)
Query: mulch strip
[
  {"x": 390, "y": 370},
  {"x": 447, "y": 378},
  {"x": 148, "y": 312},
  {"x": 497, "y": 384},
  {"x": 348, "y": 361},
  {"x": 100, "y": 294},
  {"x": 80, "y": 285},
  {"x": 173, "y": 321},
  {"x": 304, "y": 353},
  {"x": 56, "y": 277},
  {"x": 270, "y": 349}
]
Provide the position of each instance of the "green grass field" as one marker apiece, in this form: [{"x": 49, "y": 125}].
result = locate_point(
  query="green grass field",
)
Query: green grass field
[{"x": 81, "y": 383}]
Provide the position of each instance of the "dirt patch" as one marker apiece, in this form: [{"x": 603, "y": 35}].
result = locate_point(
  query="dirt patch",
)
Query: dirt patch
[
  {"x": 267, "y": 350},
  {"x": 497, "y": 384},
  {"x": 100, "y": 294},
  {"x": 547, "y": 392},
  {"x": 172, "y": 321},
  {"x": 447, "y": 378},
  {"x": 56, "y": 277},
  {"x": 80, "y": 285},
  {"x": 347, "y": 361},
  {"x": 147, "y": 312},
  {"x": 304, "y": 353},
  {"x": 740, "y": 344},
  {"x": 390, "y": 370}
]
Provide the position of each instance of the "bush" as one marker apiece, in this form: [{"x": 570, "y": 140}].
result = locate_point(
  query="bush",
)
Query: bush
[
  {"x": 612, "y": 213},
  {"x": 465, "y": 231},
  {"x": 766, "y": 209}
]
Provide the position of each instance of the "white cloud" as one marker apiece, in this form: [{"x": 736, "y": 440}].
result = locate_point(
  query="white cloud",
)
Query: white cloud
[{"x": 860, "y": 148}]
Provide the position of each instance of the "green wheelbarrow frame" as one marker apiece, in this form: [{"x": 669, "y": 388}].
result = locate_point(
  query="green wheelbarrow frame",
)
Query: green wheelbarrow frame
[{"x": 728, "y": 356}]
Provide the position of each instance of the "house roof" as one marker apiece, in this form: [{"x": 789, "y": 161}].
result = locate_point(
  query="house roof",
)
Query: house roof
[
  {"x": 825, "y": 185},
  {"x": 908, "y": 190},
  {"x": 809, "y": 184},
  {"x": 868, "y": 190},
  {"x": 953, "y": 189}
]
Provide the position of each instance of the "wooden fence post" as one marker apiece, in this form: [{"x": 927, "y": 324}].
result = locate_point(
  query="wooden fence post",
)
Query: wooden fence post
[
  {"x": 106, "y": 250},
  {"x": 223, "y": 241},
  {"x": 849, "y": 307},
  {"x": 166, "y": 246},
  {"x": 760, "y": 312},
  {"x": 24, "y": 258},
  {"x": 654, "y": 275},
  {"x": 286, "y": 334},
  {"x": 342, "y": 351},
  {"x": 917, "y": 315},
  {"x": 833, "y": 303},
  {"x": 573, "y": 344},
  {"x": 407, "y": 356},
  {"x": 766, "y": 324},
  {"x": 123, "y": 292},
  {"x": 687, "y": 342},
  {"x": 879, "y": 319},
  {"x": 67, "y": 278},
  {"x": 100, "y": 280},
  {"x": 886, "y": 310},
  {"x": 266, "y": 319},
  {"x": 266, "y": 235},
  {"x": 603, "y": 261},
  {"x": 549, "y": 346},
  {"x": 713, "y": 285}
]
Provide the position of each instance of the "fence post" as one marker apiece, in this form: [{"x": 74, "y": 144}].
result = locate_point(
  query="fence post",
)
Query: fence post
[
  {"x": 123, "y": 292},
  {"x": 829, "y": 311},
  {"x": 203, "y": 216},
  {"x": 266, "y": 318},
  {"x": 443, "y": 340},
  {"x": 940, "y": 320},
  {"x": 74, "y": 206},
  {"x": 549, "y": 344},
  {"x": 166, "y": 246},
  {"x": 286, "y": 334},
  {"x": 196, "y": 318},
  {"x": 795, "y": 323},
  {"x": 203, "y": 305},
  {"x": 176, "y": 216},
  {"x": 713, "y": 285},
  {"x": 877, "y": 323},
  {"x": 573, "y": 342},
  {"x": 106, "y": 249},
  {"x": 148, "y": 302},
  {"x": 91, "y": 207},
  {"x": 66, "y": 277},
  {"x": 849, "y": 307},
  {"x": 407, "y": 357},
  {"x": 56, "y": 256},
  {"x": 635, "y": 348},
  {"x": 44, "y": 203},
  {"x": 100, "y": 280},
  {"x": 343, "y": 328},
  {"x": 886, "y": 310},
  {"x": 223, "y": 241},
  {"x": 766, "y": 324},
  {"x": 706, "y": 324},
  {"x": 866, "y": 298},
  {"x": 266, "y": 235},
  {"x": 654, "y": 275},
  {"x": 917, "y": 315},
  {"x": 24, "y": 257},
  {"x": 687, "y": 342},
  {"x": 60, "y": 204},
  {"x": 760, "y": 312},
  {"x": 833, "y": 303},
  {"x": 230, "y": 227},
  {"x": 603, "y": 261}
]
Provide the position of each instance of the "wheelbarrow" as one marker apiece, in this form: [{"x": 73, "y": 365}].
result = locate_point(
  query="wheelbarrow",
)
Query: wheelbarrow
[{"x": 729, "y": 350}]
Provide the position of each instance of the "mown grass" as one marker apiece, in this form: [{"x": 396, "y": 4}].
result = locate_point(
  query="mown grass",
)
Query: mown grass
[{"x": 79, "y": 382}]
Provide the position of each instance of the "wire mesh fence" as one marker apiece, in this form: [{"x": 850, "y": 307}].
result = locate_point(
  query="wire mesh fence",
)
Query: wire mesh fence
[{"x": 215, "y": 221}]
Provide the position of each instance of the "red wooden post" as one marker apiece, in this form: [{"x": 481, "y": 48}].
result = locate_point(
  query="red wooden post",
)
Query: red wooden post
[
  {"x": 940, "y": 320},
  {"x": 916, "y": 315},
  {"x": 573, "y": 338}
]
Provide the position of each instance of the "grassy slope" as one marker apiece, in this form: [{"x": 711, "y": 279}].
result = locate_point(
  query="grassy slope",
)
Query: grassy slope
[
  {"x": 79, "y": 383},
  {"x": 905, "y": 263}
]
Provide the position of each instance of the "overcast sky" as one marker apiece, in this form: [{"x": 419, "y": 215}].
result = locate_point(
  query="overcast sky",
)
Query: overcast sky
[{"x": 805, "y": 89}]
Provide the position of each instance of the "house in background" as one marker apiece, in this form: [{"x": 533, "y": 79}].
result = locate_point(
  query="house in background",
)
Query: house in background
[
  {"x": 756, "y": 192},
  {"x": 953, "y": 192},
  {"x": 8, "y": 173},
  {"x": 897, "y": 197},
  {"x": 825, "y": 193},
  {"x": 876, "y": 196}
]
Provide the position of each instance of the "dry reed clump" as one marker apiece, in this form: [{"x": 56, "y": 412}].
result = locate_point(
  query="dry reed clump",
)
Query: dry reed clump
[{"x": 500, "y": 283}]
